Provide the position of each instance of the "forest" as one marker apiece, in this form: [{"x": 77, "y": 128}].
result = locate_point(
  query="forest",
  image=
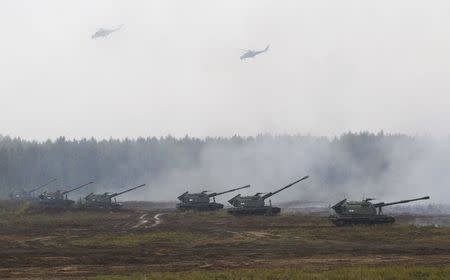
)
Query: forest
[{"x": 355, "y": 164}]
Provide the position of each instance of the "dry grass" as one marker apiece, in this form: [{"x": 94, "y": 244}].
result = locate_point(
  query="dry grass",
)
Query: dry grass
[
  {"x": 215, "y": 246},
  {"x": 379, "y": 233},
  {"x": 349, "y": 273},
  {"x": 137, "y": 239}
]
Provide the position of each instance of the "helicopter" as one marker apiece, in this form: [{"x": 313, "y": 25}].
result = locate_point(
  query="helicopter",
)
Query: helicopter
[
  {"x": 104, "y": 32},
  {"x": 252, "y": 53}
]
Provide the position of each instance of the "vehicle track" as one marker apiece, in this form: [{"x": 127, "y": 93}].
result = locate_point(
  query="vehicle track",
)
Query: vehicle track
[
  {"x": 157, "y": 219},
  {"x": 143, "y": 221}
]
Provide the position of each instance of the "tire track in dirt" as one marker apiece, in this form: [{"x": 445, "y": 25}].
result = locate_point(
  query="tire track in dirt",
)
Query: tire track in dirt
[
  {"x": 143, "y": 221},
  {"x": 157, "y": 219}
]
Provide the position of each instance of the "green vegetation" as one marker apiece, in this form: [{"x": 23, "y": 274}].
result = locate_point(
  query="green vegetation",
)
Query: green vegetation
[
  {"x": 218, "y": 246},
  {"x": 399, "y": 233},
  {"x": 72, "y": 219},
  {"x": 111, "y": 161},
  {"x": 23, "y": 217},
  {"x": 135, "y": 239},
  {"x": 349, "y": 273},
  {"x": 205, "y": 215}
]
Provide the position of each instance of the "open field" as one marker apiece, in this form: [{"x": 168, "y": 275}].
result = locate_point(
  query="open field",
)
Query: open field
[{"x": 130, "y": 245}]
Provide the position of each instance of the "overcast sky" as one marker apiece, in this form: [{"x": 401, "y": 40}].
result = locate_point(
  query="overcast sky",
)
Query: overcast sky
[{"x": 174, "y": 68}]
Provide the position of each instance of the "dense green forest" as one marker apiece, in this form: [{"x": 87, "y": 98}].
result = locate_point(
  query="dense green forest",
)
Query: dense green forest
[{"x": 354, "y": 163}]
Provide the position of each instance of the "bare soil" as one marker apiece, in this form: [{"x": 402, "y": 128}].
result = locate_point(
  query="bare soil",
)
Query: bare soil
[{"x": 77, "y": 244}]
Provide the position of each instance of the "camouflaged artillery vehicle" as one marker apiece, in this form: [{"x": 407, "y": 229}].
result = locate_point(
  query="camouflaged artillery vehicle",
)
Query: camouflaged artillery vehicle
[
  {"x": 27, "y": 195},
  {"x": 255, "y": 204},
  {"x": 363, "y": 212},
  {"x": 58, "y": 199},
  {"x": 105, "y": 200},
  {"x": 202, "y": 201}
]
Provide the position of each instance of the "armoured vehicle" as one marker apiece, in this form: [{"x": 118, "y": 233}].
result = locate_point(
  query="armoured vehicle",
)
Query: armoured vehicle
[
  {"x": 28, "y": 194},
  {"x": 201, "y": 201},
  {"x": 363, "y": 212},
  {"x": 106, "y": 200},
  {"x": 255, "y": 204},
  {"x": 58, "y": 199}
]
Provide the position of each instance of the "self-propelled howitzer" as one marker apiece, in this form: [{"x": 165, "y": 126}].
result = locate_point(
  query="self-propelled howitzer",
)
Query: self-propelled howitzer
[
  {"x": 363, "y": 212},
  {"x": 255, "y": 204},
  {"x": 106, "y": 200},
  {"x": 58, "y": 198},
  {"x": 202, "y": 201},
  {"x": 28, "y": 194}
]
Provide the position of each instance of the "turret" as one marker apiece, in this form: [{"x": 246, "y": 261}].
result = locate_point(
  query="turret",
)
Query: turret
[
  {"x": 203, "y": 197},
  {"x": 182, "y": 196},
  {"x": 105, "y": 200},
  {"x": 257, "y": 200},
  {"x": 23, "y": 194},
  {"x": 58, "y": 198},
  {"x": 234, "y": 199},
  {"x": 337, "y": 206},
  {"x": 202, "y": 201}
]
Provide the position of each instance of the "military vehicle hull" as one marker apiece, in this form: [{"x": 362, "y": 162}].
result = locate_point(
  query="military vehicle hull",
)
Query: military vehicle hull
[
  {"x": 266, "y": 210},
  {"x": 212, "y": 206},
  {"x": 361, "y": 220},
  {"x": 23, "y": 199},
  {"x": 100, "y": 206},
  {"x": 66, "y": 203}
]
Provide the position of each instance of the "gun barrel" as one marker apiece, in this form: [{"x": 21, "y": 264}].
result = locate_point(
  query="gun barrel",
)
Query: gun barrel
[
  {"x": 125, "y": 191},
  {"x": 283, "y": 188},
  {"x": 232, "y": 190},
  {"x": 76, "y": 188},
  {"x": 41, "y": 186},
  {"x": 382, "y": 204}
]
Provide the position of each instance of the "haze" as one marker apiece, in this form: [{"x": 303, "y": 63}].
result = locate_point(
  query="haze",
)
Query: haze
[{"x": 174, "y": 68}]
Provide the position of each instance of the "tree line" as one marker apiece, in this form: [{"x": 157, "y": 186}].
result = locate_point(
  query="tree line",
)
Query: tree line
[{"x": 369, "y": 160}]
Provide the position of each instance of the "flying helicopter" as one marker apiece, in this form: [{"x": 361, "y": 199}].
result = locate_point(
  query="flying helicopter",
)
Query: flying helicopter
[
  {"x": 252, "y": 53},
  {"x": 104, "y": 32}
]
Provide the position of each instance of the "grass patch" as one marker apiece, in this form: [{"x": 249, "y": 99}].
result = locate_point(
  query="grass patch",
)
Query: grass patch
[
  {"x": 349, "y": 273},
  {"x": 5, "y": 216},
  {"x": 219, "y": 214},
  {"x": 21, "y": 218},
  {"x": 375, "y": 233},
  {"x": 136, "y": 239},
  {"x": 72, "y": 219}
]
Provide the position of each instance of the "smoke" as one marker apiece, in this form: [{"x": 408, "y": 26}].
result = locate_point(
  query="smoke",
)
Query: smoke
[{"x": 353, "y": 166}]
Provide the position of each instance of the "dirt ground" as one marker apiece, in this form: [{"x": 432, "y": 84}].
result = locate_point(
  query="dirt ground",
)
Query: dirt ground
[{"x": 77, "y": 244}]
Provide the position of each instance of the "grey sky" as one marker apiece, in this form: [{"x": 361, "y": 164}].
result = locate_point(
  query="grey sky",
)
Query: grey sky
[{"x": 174, "y": 68}]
